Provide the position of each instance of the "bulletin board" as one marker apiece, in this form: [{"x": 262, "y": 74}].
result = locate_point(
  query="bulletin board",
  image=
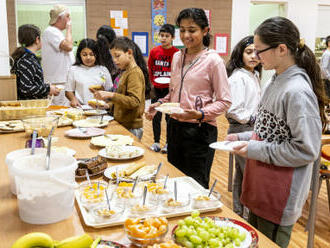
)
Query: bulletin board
[{"x": 141, "y": 39}]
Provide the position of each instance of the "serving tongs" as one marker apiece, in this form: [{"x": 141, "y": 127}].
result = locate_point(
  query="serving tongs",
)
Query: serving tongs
[
  {"x": 49, "y": 144},
  {"x": 34, "y": 141}
]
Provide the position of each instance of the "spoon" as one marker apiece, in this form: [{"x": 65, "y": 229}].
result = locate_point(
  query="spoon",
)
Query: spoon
[
  {"x": 88, "y": 179},
  {"x": 175, "y": 192},
  {"x": 117, "y": 179},
  {"x": 34, "y": 139},
  {"x": 101, "y": 120},
  {"x": 98, "y": 189},
  {"x": 108, "y": 202},
  {"x": 165, "y": 181},
  {"x": 212, "y": 188},
  {"x": 144, "y": 195},
  {"x": 135, "y": 183},
  {"x": 48, "y": 152},
  {"x": 157, "y": 171}
]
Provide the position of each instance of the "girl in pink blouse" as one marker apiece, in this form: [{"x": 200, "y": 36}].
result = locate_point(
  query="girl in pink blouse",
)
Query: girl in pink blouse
[{"x": 199, "y": 84}]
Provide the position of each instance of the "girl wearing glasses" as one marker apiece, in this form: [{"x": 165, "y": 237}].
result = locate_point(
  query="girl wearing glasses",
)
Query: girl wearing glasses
[
  {"x": 244, "y": 71},
  {"x": 287, "y": 132},
  {"x": 199, "y": 83}
]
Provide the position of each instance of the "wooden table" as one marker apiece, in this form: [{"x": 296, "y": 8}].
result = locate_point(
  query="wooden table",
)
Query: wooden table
[{"x": 12, "y": 227}]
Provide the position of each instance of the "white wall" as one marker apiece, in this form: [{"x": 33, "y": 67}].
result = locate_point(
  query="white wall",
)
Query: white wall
[
  {"x": 4, "y": 45},
  {"x": 304, "y": 13}
]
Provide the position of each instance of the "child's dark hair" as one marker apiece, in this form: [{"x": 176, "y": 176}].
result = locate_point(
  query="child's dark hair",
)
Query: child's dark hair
[
  {"x": 104, "y": 36},
  {"x": 199, "y": 17},
  {"x": 27, "y": 35},
  {"x": 279, "y": 30},
  {"x": 91, "y": 44},
  {"x": 236, "y": 57},
  {"x": 168, "y": 28},
  {"x": 123, "y": 44},
  {"x": 327, "y": 40}
]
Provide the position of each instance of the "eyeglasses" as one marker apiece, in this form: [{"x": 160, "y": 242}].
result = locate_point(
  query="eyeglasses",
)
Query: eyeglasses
[{"x": 257, "y": 52}]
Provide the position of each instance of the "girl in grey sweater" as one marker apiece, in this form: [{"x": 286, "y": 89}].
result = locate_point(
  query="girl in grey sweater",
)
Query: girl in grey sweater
[{"x": 287, "y": 133}]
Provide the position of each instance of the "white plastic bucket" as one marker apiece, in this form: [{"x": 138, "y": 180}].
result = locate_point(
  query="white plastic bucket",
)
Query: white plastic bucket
[
  {"x": 45, "y": 196},
  {"x": 18, "y": 154}
]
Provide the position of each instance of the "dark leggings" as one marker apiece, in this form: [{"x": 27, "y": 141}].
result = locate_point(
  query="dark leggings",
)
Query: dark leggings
[
  {"x": 189, "y": 151},
  {"x": 160, "y": 93}
]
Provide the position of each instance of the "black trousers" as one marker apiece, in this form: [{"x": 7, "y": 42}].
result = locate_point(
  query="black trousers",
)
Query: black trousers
[
  {"x": 159, "y": 93},
  {"x": 189, "y": 151}
]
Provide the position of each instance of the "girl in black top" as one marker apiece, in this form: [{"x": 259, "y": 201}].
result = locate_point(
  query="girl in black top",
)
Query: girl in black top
[{"x": 29, "y": 75}]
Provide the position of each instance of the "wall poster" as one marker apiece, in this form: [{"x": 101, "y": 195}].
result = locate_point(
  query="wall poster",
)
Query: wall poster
[
  {"x": 119, "y": 22},
  {"x": 221, "y": 44},
  {"x": 141, "y": 39},
  {"x": 158, "y": 18}
]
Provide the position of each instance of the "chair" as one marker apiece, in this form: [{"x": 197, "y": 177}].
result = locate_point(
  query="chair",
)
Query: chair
[{"x": 320, "y": 173}]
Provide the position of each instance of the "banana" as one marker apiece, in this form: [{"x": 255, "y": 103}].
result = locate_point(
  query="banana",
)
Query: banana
[
  {"x": 95, "y": 243},
  {"x": 82, "y": 241},
  {"x": 35, "y": 239}
]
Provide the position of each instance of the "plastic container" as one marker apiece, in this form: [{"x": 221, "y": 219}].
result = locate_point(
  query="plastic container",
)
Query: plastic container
[
  {"x": 18, "y": 154},
  {"x": 43, "y": 124},
  {"x": 45, "y": 196}
]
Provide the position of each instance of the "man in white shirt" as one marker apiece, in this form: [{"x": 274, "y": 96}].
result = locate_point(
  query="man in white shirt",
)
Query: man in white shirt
[
  {"x": 56, "y": 51},
  {"x": 325, "y": 66}
]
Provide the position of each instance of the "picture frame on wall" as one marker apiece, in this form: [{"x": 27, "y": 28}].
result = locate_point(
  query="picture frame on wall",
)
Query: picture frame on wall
[
  {"x": 221, "y": 44},
  {"x": 141, "y": 39}
]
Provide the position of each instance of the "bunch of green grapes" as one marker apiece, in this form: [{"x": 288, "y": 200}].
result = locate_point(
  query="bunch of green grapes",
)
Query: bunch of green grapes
[{"x": 195, "y": 232}]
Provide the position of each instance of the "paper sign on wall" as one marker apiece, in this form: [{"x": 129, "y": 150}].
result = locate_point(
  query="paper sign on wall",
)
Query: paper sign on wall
[
  {"x": 119, "y": 22},
  {"x": 221, "y": 44},
  {"x": 141, "y": 39},
  {"x": 177, "y": 41}
]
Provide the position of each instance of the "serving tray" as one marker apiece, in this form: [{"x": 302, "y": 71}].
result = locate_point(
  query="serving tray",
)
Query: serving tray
[{"x": 185, "y": 185}]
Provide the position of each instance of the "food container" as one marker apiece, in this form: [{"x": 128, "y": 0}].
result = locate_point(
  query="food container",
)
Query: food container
[
  {"x": 200, "y": 201},
  {"x": 92, "y": 194},
  {"x": 123, "y": 196},
  {"x": 13, "y": 110},
  {"x": 101, "y": 213},
  {"x": 138, "y": 209},
  {"x": 45, "y": 196},
  {"x": 141, "y": 239},
  {"x": 18, "y": 154},
  {"x": 43, "y": 124},
  {"x": 170, "y": 205}
]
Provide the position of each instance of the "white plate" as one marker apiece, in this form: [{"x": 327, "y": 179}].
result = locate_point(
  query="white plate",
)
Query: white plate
[
  {"x": 120, "y": 167},
  {"x": 112, "y": 139},
  {"x": 170, "y": 109},
  {"x": 80, "y": 133},
  {"x": 90, "y": 123},
  {"x": 95, "y": 112},
  {"x": 86, "y": 107},
  {"x": 140, "y": 152},
  {"x": 162, "y": 80},
  {"x": 105, "y": 117},
  {"x": 63, "y": 149},
  {"x": 225, "y": 145}
]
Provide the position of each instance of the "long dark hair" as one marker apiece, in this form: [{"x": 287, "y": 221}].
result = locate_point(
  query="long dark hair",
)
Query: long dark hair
[
  {"x": 236, "y": 57},
  {"x": 123, "y": 44},
  {"x": 104, "y": 36},
  {"x": 199, "y": 17},
  {"x": 27, "y": 35},
  {"x": 279, "y": 30},
  {"x": 91, "y": 44}
]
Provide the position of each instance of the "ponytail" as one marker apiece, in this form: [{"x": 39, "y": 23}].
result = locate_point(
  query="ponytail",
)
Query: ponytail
[
  {"x": 207, "y": 39},
  {"x": 305, "y": 59}
]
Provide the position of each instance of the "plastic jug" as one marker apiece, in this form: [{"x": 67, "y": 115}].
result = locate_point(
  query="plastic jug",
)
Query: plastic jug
[
  {"x": 45, "y": 196},
  {"x": 18, "y": 154}
]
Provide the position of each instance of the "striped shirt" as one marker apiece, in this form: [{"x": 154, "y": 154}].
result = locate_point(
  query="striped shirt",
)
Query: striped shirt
[{"x": 29, "y": 78}]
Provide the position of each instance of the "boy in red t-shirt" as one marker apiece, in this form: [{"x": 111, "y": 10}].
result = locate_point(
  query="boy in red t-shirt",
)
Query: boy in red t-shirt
[{"x": 159, "y": 64}]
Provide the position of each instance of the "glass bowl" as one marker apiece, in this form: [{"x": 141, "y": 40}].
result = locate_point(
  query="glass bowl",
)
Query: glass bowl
[
  {"x": 170, "y": 205},
  {"x": 142, "y": 238},
  {"x": 125, "y": 197},
  {"x": 139, "y": 210},
  {"x": 43, "y": 124},
  {"x": 201, "y": 200},
  {"x": 102, "y": 214},
  {"x": 90, "y": 195}
]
